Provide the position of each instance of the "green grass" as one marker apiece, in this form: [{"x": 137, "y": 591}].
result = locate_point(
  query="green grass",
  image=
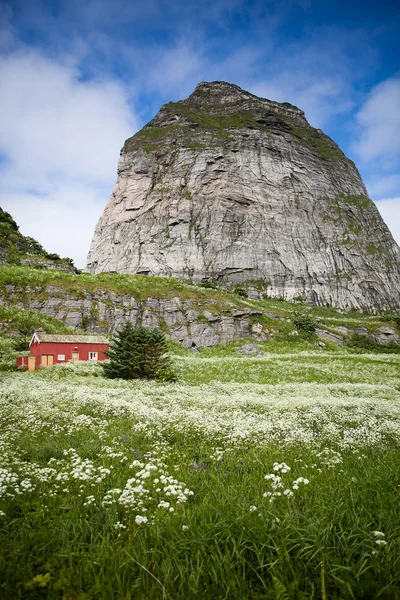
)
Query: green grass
[
  {"x": 317, "y": 142},
  {"x": 305, "y": 367},
  {"x": 30, "y": 282},
  {"x": 333, "y": 418}
]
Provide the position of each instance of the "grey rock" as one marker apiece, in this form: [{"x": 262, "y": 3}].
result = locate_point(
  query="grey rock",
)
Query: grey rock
[
  {"x": 192, "y": 315},
  {"x": 344, "y": 329},
  {"x": 330, "y": 337},
  {"x": 360, "y": 331},
  {"x": 204, "y": 335},
  {"x": 249, "y": 349},
  {"x": 226, "y": 329},
  {"x": 273, "y": 315},
  {"x": 233, "y": 188},
  {"x": 242, "y": 328},
  {"x": 150, "y": 319},
  {"x": 173, "y": 318},
  {"x": 105, "y": 312},
  {"x": 386, "y": 335},
  {"x": 210, "y": 316},
  {"x": 73, "y": 319},
  {"x": 153, "y": 303},
  {"x": 172, "y": 305},
  {"x": 53, "y": 289},
  {"x": 180, "y": 334},
  {"x": 259, "y": 332}
]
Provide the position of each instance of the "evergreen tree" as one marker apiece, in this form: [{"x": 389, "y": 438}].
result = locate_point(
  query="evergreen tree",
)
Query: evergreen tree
[{"x": 138, "y": 353}]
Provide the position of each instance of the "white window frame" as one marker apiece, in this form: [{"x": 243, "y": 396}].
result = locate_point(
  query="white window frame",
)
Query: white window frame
[
  {"x": 60, "y": 356},
  {"x": 93, "y": 356}
]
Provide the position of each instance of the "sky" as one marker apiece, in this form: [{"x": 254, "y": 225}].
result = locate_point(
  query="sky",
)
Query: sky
[{"x": 78, "y": 78}]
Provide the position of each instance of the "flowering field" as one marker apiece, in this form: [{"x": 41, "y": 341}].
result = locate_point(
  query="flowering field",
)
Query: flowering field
[{"x": 272, "y": 477}]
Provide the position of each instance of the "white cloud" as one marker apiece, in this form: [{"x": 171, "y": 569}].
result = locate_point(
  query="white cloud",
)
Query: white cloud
[
  {"x": 322, "y": 92},
  {"x": 321, "y": 98},
  {"x": 390, "y": 211},
  {"x": 379, "y": 124},
  {"x": 60, "y": 136},
  {"x": 52, "y": 124}
]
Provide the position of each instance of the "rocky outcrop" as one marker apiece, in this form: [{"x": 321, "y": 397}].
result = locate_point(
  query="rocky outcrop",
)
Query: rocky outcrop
[
  {"x": 189, "y": 322},
  {"x": 386, "y": 335},
  {"x": 194, "y": 316},
  {"x": 383, "y": 335},
  {"x": 233, "y": 188},
  {"x": 330, "y": 337}
]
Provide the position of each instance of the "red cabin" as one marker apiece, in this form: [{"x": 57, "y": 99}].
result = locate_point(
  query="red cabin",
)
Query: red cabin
[{"x": 48, "y": 349}]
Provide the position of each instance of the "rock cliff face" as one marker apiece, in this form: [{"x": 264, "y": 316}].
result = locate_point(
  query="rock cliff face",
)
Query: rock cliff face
[
  {"x": 192, "y": 323},
  {"x": 234, "y": 188}
]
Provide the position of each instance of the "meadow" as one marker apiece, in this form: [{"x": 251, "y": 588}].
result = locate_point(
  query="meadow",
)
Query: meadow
[{"x": 268, "y": 477}]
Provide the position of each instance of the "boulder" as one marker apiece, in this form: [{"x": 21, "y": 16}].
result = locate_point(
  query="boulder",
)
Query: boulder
[{"x": 386, "y": 335}]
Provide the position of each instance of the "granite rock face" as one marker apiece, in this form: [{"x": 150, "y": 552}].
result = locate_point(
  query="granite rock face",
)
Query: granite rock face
[
  {"x": 229, "y": 187},
  {"x": 191, "y": 323}
]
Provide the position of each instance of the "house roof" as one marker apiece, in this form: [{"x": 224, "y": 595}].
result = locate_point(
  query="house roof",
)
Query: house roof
[{"x": 38, "y": 336}]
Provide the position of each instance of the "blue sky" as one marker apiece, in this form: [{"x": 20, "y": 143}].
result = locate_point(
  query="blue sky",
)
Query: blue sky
[{"x": 78, "y": 78}]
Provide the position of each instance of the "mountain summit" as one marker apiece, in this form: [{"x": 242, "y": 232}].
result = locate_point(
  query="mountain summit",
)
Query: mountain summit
[{"x": 229, "y": 187}]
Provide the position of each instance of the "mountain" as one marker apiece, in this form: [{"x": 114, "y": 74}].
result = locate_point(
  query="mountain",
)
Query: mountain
[
  {"x": 17, "y": 249},
  {"x": 238, "y": 190}
]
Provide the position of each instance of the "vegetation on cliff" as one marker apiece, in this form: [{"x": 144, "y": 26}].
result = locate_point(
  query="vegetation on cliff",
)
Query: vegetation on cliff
[{"x": 199, "y": 116}]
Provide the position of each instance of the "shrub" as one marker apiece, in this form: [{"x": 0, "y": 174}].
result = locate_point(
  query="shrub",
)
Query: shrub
[
  {"x": 32, "y": 246},
  {"x": 52, "y": 256},
  {"x": 208, "y": 283},
  {"x": 305, "y": 322},
  {"x": 241, "y": 291},
  {"x": 5, "y": 217},
  {"x": 139, "y": 353}
]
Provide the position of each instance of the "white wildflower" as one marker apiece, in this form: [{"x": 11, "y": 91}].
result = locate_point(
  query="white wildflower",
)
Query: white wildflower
[
  {"x": 378, "y": 534},
  {"x": 139, "y": 519}
]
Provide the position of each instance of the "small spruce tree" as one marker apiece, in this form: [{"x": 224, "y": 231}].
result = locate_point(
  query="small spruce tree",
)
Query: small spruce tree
[{"x": 138, "y": 353}]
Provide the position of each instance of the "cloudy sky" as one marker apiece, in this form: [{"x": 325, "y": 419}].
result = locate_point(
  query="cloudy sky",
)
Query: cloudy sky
[{"x": 78, "y": 78}]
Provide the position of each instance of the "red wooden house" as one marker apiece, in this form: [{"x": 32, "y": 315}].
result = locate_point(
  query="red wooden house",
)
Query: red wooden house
[{"x": 48, "y": 349}]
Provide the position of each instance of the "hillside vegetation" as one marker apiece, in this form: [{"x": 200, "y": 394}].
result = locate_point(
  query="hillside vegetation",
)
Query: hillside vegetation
[{"x": 17, "y": 249}]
